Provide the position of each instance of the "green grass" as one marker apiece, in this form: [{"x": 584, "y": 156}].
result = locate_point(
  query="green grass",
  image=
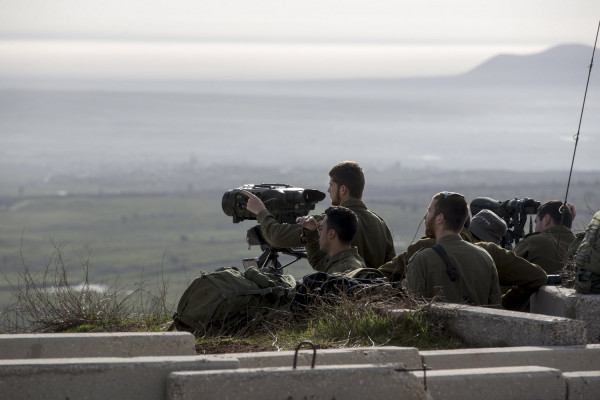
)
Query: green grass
[{"x": 348, "y": 323}]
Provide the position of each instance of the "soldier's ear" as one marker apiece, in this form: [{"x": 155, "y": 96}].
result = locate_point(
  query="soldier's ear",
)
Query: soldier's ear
[
  {"x": 331, "y": 234},
  {"x": 546, "y": 219},
  {"x": 440, "y": 219},
  {"x": 344, "y": 190}
]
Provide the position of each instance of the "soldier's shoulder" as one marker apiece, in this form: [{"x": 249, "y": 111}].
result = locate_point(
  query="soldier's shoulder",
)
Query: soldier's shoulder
[
  {"x": 423, "y": 252},
  {"x": 532, "y": 236}
]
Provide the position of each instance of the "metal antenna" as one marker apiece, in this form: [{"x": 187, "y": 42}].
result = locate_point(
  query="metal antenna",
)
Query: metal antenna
[{"x": 581, "y": 116}]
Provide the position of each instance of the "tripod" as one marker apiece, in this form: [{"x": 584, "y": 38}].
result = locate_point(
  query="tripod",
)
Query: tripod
[{"x": 269, "y": 259}]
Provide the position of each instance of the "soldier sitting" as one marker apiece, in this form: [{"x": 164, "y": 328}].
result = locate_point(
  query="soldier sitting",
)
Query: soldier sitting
[
  {"x": 516, "y": 274},
  {"x": 329, "y": 241},
  {"x": 548, "y": 245},
  {"x": 453, "y": 270}
]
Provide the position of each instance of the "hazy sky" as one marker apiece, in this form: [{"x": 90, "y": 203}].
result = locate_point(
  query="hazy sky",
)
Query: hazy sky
[{"x": 232, "y": 39}]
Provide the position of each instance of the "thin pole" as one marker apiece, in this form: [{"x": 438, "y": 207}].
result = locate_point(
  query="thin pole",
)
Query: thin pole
[{"x": 581, "y": 116}]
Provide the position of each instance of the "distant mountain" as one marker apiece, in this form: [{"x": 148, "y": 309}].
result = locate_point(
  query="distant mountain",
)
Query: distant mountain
[{"x": 563, "y": 64}]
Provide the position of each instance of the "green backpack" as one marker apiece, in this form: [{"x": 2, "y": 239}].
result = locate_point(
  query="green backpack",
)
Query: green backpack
[
  {"x": 587, "y": 259},
  {"x": 227, "y": 298}
]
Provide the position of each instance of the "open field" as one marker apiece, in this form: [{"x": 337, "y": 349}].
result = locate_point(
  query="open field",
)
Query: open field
[{"x": 131, "y": 232}]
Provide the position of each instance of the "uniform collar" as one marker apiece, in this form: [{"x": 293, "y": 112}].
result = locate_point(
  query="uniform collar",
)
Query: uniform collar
[
  {"x": 354, "y": 203},
  {"x": 353, "y": 251},
  {"x": 453, "y": 237}
]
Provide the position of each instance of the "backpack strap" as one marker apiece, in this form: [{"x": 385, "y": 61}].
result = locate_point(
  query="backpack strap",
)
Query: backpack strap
[{"x": 449, "y": 267}]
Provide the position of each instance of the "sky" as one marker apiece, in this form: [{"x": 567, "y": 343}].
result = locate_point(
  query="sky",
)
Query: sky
[{"x": 278, "y": 39}]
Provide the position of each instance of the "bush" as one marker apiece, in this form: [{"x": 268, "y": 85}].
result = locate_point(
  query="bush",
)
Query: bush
[{"x": 50, "y": 301}]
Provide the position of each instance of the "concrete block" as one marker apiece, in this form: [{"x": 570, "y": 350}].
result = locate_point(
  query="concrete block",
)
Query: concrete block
[
  {"x": 587, "y": 309},
  {"x": 349, "y": 382},
  {"x": 97, "y": 378},
  {"x": 563, "y": 302},
  {"x": 553, "y": 300},
  {"x": 505, "y": 383},
  {"x": 73, "y": 345},
  {"x": 565, "y": 359},
  {"x": 409, "y": 356},
  {"x": 582, "y": 385},
  {"x": 489, "y": 327}
]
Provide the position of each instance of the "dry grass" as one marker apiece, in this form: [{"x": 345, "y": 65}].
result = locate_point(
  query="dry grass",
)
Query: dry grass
[{"x": 61, "y": 299}]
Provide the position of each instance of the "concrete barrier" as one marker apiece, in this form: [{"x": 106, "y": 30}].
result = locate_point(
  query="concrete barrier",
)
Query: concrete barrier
[
  {"x": 565, "y": 359},
  {"x": 488, "y": 327},
  {"x": 97, "y": 378},
  {"x": 506, "y": 383},
  {"x": 408, "y": 356},
  {"x": 330, "y": 382},
  {"x": 583, "y": 385},
  {"x": 65, "y": 345},
  {"x": 563, "y": 302}
]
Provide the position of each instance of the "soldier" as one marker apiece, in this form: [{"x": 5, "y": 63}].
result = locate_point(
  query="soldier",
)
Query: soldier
[
  {"x": 548, "y": 245},
  {"x": 395, "y": 269},
  {"x": 328, "y": 242},
  {"x": 453, "y": 270},
  {"x": 346, "y": 184},
  {"x": 518, "y": 275}
]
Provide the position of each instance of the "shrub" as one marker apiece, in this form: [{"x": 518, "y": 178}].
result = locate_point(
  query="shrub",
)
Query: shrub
[{"x": 50, "y": 301}]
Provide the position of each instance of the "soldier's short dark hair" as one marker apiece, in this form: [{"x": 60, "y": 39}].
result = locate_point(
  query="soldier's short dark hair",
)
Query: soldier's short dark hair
[
  {"x": 349, "y": 174},
  {"x": 343, "y": 221},
  {"x": 560, "y": 215},
  {"x": 455, "y": 209}
]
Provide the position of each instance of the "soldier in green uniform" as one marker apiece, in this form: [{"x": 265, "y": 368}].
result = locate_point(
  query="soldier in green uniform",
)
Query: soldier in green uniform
[
  {"x": 329, "y": 241},
  {"x": 461, "y": 272},
  {"x": 395, "y": 269},
  {"x": 548, "y": 245},
  {"x": 520, "y": 277},
  {"x": 346, "y": 184}
]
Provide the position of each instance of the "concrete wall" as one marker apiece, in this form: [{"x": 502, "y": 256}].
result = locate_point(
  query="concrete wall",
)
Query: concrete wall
[
  {"x": 365, "y": 381},
  {"x": 490, "y": 327},
  {"x": 545, "y": 372},
  {"x": 562, "y": 302},
  {"x": 64, "y": 345},
  {"x": 409, "y": 357},
  {"x": 141, "y": 378},
  {"x": 564, "y": 358}
]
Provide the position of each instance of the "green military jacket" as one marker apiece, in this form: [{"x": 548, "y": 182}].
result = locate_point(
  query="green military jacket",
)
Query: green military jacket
[
  {"x": 373, "y": 238},
  {"x": 339, "y": 263},
  {"x": 477, "y": 282},
  {"x": 523, "y": 277},
  {"x": 547, "y": 248},
  {"x": 395, "y": 270}
]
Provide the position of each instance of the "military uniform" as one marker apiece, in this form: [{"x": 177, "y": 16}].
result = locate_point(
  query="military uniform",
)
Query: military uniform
[
  {"x": 373, "y": 238},
  {"x": 477, "y": 282},
  {"x": 278, "y": 234},
  {"x": 523, "y": 277},
  {"x": 547, "y": 248},
  {"x": 395, "y": 270},
  {"x": 342, "y": 262}
]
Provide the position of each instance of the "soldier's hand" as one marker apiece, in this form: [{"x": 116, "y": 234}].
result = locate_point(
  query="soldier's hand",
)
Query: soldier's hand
[
  {"x": 308, "y": 222},
  {"x": 255, "y": 205}
]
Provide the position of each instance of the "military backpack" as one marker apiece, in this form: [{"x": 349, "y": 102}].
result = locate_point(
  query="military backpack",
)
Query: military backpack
[
  {"x": 587, "y": 259},
  {"x": 227, "y": 298}
]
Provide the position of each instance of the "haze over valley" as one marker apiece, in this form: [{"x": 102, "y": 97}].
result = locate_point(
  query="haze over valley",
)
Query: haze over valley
[{"x": 516, "y": 113}]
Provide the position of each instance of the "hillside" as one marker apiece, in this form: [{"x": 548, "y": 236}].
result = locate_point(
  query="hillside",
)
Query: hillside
[{"x": 560, "y": 65}]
